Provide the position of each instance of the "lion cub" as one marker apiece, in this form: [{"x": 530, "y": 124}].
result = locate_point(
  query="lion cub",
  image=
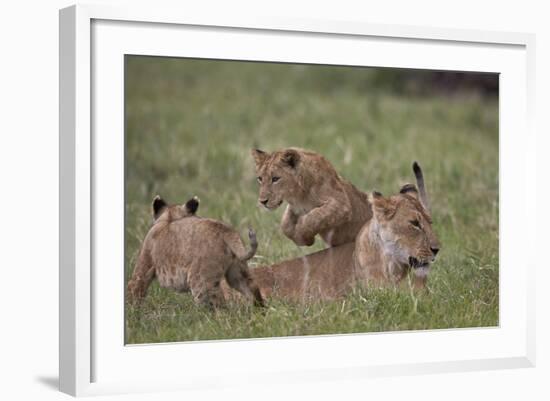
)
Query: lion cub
[
  {"x": 319, "y": 200},
  {"x": 186, "y": 252}
]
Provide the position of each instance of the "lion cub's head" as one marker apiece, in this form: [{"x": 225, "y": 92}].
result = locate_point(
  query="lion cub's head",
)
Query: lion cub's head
[
  {"x": 276, "y": 173},
  {"x": 404, "y": 226},
  {"x": 162, "y": 211}
]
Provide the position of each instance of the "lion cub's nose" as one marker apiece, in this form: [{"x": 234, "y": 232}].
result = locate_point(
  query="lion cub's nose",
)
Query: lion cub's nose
[
  {"x": 264, "y": 201},
  {"x": 435, "y": 251}
]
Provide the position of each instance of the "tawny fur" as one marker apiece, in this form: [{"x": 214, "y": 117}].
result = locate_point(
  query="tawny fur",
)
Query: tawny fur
[
  {"x": 319, "y": 200},
  {"x": 327, "y": 274},
  {"x": 398, "y": 242},
  {"x": 186, "y": 252}
]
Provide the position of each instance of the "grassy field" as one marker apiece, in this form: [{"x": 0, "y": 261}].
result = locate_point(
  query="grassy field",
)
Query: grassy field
[{"x": 189, "y": 128}]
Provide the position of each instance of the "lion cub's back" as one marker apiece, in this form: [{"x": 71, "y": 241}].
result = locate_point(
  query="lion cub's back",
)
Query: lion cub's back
[
  {"x": 191, "y": 238},
  {"x": 188, "y": 242}
]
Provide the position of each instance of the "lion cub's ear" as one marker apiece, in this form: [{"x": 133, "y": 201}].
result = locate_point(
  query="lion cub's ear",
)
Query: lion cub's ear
[
  {"x": 383, "y": 208},
  {"x": 259, "y": 156},
  {"x": 409, "y": 189},
  {"x": 192, "y": 205},
  {"x": 158, "y": 206},
  {"x": 291, "y": 158}
]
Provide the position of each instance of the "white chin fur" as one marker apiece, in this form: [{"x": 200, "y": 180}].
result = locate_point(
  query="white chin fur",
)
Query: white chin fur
[{"x": 422, "y": 272}]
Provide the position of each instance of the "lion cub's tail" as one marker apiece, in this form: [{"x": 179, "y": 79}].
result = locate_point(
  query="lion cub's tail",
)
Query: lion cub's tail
[{"x": 236, "y": 245}]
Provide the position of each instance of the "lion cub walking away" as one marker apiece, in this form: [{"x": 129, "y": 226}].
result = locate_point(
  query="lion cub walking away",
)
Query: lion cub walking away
[
  {"x": 186, "y": 252},
  {"x": 319, "y": 200}
]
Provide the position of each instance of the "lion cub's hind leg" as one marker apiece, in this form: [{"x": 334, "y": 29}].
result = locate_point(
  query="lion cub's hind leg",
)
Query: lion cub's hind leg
[
  {"x": 208, "y": 294},
  {"x": 143, "y": 275},
  {"x": 237, "y": 277},
  {"x": 205, "y": 285},
  {"x": 138, "y": 286}
]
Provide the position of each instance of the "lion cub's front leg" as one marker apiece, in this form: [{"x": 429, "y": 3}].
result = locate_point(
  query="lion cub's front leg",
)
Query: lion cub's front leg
[
  {"x": 288, "y": 225},
  {"x": 331, "y": 214}
]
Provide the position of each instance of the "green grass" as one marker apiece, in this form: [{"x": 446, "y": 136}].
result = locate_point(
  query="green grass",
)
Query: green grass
[{"x": 190, "y": 125}]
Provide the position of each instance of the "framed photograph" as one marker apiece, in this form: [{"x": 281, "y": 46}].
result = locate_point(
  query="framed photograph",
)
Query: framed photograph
[{"x": 287, "y": 199}]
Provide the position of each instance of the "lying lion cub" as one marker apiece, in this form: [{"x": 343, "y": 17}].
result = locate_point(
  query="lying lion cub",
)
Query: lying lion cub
[
  {"x": 398, "y": 240},
  {"x": 191, "y": 253},
  {"x": 319, "y": 200}
]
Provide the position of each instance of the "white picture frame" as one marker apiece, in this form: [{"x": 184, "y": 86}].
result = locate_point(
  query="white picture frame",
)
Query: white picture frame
[{"x": 94, "y": 361}]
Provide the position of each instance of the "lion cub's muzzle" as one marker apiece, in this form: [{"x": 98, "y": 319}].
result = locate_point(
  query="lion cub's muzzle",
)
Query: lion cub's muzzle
[{"x": 269, "y": 206}]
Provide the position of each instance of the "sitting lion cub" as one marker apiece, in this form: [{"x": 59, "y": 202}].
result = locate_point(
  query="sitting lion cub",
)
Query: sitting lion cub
[
  {"x": 191, "y": 253},
  {"x": 319, "y": 200}
]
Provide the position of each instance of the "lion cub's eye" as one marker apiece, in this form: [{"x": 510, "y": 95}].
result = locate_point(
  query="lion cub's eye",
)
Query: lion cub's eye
[
  {"x": 259, "y": 179},
  {"x": 415, "y": 223},
  {"x": 275, "y": 179}
]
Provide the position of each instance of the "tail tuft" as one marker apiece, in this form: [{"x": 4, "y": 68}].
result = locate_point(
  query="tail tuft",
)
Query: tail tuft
[
  {"x": 417, "y": 170},
  {"x": 421, "y": 187},
  {"x": 252, "y": 237},
  {"x": 253, "y": 244}
]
